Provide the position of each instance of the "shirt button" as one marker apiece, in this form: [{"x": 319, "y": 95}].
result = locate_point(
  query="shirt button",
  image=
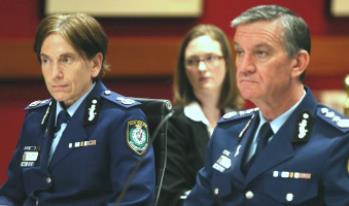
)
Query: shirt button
[
  {"x": 289, "y": 197},
  {"x": 48, "y": 180},
  {"x": 107, "y": 92},
  {"x": 249, "y": 195},
  {"x": 216, "y": 191}
]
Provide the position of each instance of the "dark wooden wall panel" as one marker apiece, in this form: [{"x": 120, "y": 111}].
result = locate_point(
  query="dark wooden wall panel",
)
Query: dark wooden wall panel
[{"x": 149, "y": 57}]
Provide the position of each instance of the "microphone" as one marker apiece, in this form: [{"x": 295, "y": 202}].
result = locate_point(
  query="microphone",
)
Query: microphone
[{"x": 162, "y": 123}]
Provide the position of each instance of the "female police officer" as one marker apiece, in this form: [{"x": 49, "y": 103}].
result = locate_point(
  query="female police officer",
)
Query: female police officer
[{"x": 86, "y": 159}]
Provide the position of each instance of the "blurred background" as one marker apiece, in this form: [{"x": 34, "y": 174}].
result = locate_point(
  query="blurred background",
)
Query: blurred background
[{"x": 143, "y": 50}]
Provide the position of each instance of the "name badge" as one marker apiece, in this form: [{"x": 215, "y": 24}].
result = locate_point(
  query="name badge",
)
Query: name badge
[{"x": 30, "y": 156}]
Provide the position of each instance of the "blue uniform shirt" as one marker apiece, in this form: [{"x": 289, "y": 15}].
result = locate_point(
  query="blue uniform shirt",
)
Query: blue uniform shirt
[{"x": 100, "y": 146}]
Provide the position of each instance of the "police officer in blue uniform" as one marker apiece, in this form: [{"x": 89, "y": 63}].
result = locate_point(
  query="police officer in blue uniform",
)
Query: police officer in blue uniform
[
  {"x": 79, "y": 147},
  {"x": 290, "y": 150}
]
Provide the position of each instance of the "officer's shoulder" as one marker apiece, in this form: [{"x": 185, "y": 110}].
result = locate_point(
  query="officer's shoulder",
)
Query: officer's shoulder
[
  {"x": 237, "y": 115},
  {"x": 119, "y": 100},
  {"x": 333, "y": 118},
  {"x": 38, "y": 104}
]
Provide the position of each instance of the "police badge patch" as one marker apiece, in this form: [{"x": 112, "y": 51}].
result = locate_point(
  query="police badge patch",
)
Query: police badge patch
[{"x": 137, "y": 136}]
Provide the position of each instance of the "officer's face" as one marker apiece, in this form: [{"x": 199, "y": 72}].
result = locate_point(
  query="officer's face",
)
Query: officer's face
[
  {"x": 208, "y": 75},
  {"x": 264, "y": 70},
  {"x": 67, "y": 74}
]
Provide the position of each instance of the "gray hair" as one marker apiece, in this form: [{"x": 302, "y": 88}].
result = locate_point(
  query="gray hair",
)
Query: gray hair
[{"x": 296, "y": 35}]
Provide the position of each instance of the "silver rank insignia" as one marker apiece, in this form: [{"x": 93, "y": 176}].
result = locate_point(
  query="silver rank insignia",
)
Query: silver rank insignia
[
  {"x": 137, "y": 136},
  {"x": 223, "y": 162},
  {"x": 334, "y": 118},
  {"x": 304, "y": 126},
  {"x": 92, "y": 111}
]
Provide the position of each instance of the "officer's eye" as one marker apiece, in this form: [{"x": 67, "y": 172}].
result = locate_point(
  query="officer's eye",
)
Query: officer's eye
[
  {"x": 44, "y": 60},
  {"x": 67, "y": 59},
  {"x": 261, "y": 53},
  {"x": 239, "y": 52}
]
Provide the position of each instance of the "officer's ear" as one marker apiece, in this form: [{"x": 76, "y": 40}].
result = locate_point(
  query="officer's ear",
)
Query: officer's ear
[
  {"x": 300, "y": 63},
  {"x": 96, "y": 64}
]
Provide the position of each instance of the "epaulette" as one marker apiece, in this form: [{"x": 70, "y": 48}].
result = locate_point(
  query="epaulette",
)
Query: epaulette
[
  {"x": 237, "y": 115},
  {"x": 37, "y": 104},
  {"x": 119, "y": 99},
  {"x": 333, "y": 118}
]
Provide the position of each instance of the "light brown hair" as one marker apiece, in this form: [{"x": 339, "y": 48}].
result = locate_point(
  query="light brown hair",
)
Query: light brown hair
[{"x": 183, "y": 90}]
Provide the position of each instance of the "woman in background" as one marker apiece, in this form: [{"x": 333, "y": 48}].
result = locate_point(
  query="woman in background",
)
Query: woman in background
[{"x": 204, "y": 89}]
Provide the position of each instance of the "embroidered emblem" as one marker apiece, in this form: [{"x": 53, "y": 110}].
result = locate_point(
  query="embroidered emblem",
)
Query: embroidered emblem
[
  {"x": 304, "y": 126},
  {"x": 92, "y": 111},
  {"x": 137, "y": 136},
  {"x": 302, "y": 129},
  {"x": 334, "y": 118}
]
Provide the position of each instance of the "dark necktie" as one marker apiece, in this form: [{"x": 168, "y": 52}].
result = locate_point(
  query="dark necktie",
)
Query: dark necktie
[
  {"x": 262, "y": 140},
  {"x": 63, "y": 117}
]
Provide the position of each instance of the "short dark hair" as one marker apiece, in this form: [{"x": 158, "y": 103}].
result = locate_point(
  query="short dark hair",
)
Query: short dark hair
[
  {"x": 296, "y": 35},
  {"x": 82, "y": 31},
  {"x": 183, "y": 90}
]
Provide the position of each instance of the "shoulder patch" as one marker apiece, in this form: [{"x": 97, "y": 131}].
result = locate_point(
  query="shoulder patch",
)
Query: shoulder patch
[
  {"x": 38, "y": 103},
  {"x": 137, "y": 136},
  {"x": 333, "y": 117},
  {"x": 236, "y": 115},
  {"x": 119, "y": 99}
]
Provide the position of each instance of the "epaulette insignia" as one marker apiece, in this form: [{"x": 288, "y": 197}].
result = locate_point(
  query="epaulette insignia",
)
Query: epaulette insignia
[
  {"x": 235, "y": 115},
  {"x": 118, "y": 99},
  {"x": 38, "y": 103},
  {"x": 137, "y": 136},
  {"x": 334, "y": 118}
]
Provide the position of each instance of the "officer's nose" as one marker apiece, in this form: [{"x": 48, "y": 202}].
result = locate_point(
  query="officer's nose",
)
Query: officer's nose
[
  {"x": 245, "y": 64},
  {"x": 57, "y": 72}
]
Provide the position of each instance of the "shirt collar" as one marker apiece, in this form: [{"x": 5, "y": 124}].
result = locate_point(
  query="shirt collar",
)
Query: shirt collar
[
  {"x": 72, "y": 109},
  {"x": 280, "y": 120},
  {"x": 194, "y": 112}
]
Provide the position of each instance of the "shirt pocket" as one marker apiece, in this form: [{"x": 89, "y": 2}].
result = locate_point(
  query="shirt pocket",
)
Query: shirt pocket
[
  {"x": 35, "y": 179},
  {"x": 221, "y": 185}
]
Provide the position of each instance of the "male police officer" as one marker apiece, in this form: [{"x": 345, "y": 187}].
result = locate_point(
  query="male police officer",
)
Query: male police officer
[
  {"x": 79, "y": 147},
  {"x": 289, "y": 151}
]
